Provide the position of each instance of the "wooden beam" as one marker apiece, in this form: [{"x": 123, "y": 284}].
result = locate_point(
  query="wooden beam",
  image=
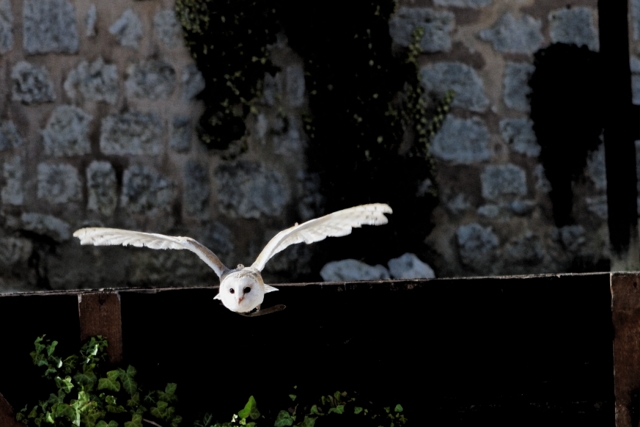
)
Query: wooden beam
[
  {"x": 625, "y": 293},
  {"x": 7, "y": 416},
  {"x": 100, "y": 315}
]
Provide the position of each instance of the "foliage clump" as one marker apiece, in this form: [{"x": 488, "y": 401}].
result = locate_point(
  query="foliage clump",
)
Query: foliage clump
[
  {"x": 325, "y": 411},
  {"x": 369, "y": 122},
  {"x": 229, "y": 41},
  {"x": 84, "y": 393}
]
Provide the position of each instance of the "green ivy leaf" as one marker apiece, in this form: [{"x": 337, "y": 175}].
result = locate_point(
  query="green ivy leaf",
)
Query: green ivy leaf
[
  {"x": 293, "y": 397},
  {"x": 283, "y": 420},
  {"x": 314, "y": 410},
  {"x": 51, "y": 348},
  {"x": 175, "y": 422},
  {"x": 64, "y": 384},
  {"x": 357, "y": 410},
  {"x": 103, "y": 423},
  {"x": 169, "y": 393},
  {"x": 337, "y": 410},
  {"x": 398, "y": 408},
  {"x": 109, "y": 383},
  {"x": 249, "y": 410},
  {"x": 136, "y": 421},
  {"x": 126, "y": 377},
  {"x": 308, "y": 422}
]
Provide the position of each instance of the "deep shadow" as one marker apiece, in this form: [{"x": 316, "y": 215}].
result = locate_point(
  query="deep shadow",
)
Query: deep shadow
[
  {"x": 567, "y": 111},
  {"x": 458, "y": 352}
]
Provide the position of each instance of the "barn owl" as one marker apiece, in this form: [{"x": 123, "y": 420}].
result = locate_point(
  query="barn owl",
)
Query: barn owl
[{"x": 242, "y": 288}]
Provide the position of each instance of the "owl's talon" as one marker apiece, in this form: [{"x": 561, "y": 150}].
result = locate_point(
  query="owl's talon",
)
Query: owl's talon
[{"x": 268, "y": 310}]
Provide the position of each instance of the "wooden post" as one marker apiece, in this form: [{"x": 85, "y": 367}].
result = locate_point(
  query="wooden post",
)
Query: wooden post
[
  {"x": 625, "y": 293},
  {"x": 7, "y": 416},
  {"x": 100, "y": 315}
]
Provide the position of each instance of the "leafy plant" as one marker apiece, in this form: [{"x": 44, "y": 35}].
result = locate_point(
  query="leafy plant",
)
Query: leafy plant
[
  {"x": 306, "y": 415},
  {"x": 88, "y": 395}
]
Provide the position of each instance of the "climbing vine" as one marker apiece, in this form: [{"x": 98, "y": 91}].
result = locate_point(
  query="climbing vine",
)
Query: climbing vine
[
  {"x": 229, "y": 41},
  {"x": 368, "y": 119}
]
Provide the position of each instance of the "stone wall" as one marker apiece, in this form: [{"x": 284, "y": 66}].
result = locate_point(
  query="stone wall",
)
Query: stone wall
[{"x": 97, "y": 113}]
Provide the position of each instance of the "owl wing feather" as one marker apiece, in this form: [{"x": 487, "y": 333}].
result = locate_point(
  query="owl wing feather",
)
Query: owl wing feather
[
  {"x": 99, "y": 236},
  {"x": 336, "y": 224}
]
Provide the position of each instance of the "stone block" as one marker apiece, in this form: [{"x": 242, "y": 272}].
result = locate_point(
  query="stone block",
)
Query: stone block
[
  {"x": 95, "y": 81},
  {"x": 58, "y": 183},
  {"x": 477, "y": 246},
  {"x": 294, "y": 85},
  {"x": 131, "y": 133},
  {"x": 542, "y": 183},
  {"x": 102, "y": 188},
  {"x": 524, "y": 251},
  {"x": 9, "y": 136},
  {"x": 572, "y": 237},
  {"x": 14, "y": 250},
  {"x": 463, "y": 80},
  {"x": 46, "y": 225},
  {"x": 6, "y": 27},
  {"x": 250, "y": 190},
  {"x": 349, "y": 270},
  {"x": 218, "y": 238},
  {"x": 272, "y": 88},
  {"x": 499, "y": 181},
  {"x": 516, "y": 85},
  {"x": 519, "y": 134},
  {"x": 574, "y": 25},
  {"x": 181, "y": 130},
  {"x": 167, "y": 28},
  {"x": 49, "y": 26},
  {"x": 192, "y": 82},
  {"x": 522, "y": 207},
  {"x": 13, "y": 172},
  {"x": 145, "y": 191},
  {"x": 437, "y": 25},
  {"x": 511, "y": 35},
  {"x": 90, "y": 20},
  {"x": 409, "y": 266},
  {"x": 31, "y": 84},
  {"x": 152, "y": 79},
  {"x": 598, "y": 206},
  {"x": 462, "y": 141},
  {"x": 472, "y": 4},
  {"x": 489, "y": 211},
  {"x": 635, "y": 18},
  {"x": 196, "y": 189},
  {"x": 66, "y": 132},
  {"x": 127, "y": 29},
  {"x": 596, "y": 169}
]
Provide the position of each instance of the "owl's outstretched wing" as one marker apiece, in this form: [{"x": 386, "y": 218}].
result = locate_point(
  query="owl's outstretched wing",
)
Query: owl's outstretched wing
[
  {"x": 112, "y": 236},
  {"x": 336, "y": 224}
]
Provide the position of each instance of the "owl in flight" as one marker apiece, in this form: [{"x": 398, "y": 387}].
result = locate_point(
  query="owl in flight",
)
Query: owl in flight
[{"x": 242, "y": 289}]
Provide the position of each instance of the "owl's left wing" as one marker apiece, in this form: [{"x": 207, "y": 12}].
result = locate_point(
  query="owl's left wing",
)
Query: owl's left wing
[
  {"x": 336, "y": 224},
  {"x": 99, "y": 236}
]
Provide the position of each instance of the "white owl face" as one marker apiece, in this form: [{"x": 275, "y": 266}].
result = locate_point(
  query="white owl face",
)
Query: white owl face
[{"x": 241, "y": 290}]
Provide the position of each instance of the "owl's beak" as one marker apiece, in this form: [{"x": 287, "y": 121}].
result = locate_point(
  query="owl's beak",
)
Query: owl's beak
[{"x": 240, "y": 300}]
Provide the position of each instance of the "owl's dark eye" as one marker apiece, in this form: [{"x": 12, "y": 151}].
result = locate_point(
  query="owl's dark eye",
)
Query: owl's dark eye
[
  {"x": 247, "y": 290},
  {"x": 231, "y": 290}
]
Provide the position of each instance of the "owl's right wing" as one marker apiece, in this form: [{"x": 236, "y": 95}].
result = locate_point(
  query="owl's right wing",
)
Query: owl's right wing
[{"x": 99, "y": 236}]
